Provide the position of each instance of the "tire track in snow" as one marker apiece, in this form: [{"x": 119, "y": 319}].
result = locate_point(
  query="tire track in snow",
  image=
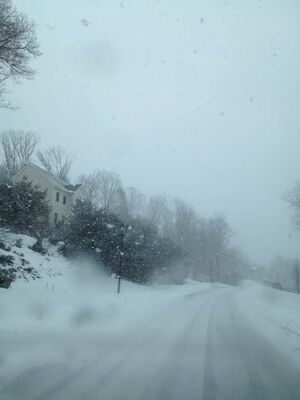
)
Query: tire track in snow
[
  {"x": 167, "y": 376},
  {"x": 50, "y": 393},
  {"x": 209, "y": 381},
  {"x": 57, "y": 389},
  {"x": 271, "y": 375},
  {"x": 163, "y": 389}
]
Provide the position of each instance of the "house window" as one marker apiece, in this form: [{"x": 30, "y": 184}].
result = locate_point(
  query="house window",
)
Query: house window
[
  {"x": 55, "y": 218},
  {"x": 64, "y": 200},
  {"x": 57, "y": 196}
]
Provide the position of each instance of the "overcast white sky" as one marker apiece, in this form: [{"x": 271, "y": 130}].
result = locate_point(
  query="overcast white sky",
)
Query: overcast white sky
[{"x": 194, "y": 99}]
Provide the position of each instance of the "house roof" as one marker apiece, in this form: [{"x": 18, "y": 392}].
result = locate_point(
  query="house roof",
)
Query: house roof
[{"x": 55, "y": 180}]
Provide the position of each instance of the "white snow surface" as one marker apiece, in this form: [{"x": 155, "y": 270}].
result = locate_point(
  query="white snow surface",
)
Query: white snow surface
[
  {"x": 276, "y": 314},
  {"x": 71, "y": 303},
  {"x": 50, "y": 265},
  {"x": 65, "y": 290},
  {"x": 277, "y": 307},
  {"x": 59, "y": 321}
]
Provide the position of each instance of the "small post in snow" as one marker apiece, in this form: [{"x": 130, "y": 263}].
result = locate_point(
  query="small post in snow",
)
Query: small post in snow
[
  {"x": 121, "y": 254},
  {"x": 119, "y": 283}
]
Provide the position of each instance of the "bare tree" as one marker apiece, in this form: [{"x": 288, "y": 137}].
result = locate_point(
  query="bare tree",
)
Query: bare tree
[
  {"x": 102, "y": 188},
  {"x": 89, "y": 186},
  {"x": 155, "y": 210},
  {"x": 185, "y": 218},
  {"x": 57, "y": 161},
  {"x": 135, "y": 201},
  {"x": 293, "y": 198},
  {"x": 219, "y": 238},
  {"x": 4, "y": 175},
  {"x": 18, "y": 45},
  {"x": 186, "y": 232},
  {"x": 160, "y": 213},
  {"x": 109, "y": 185},
  {"x": 18, "y": 148},
  {"x": 233, "y": 264},
  {"x": 120, "y": 204}
]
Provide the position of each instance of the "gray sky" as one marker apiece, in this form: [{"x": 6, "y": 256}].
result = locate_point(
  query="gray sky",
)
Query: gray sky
[{"x": 194, "y": 99}]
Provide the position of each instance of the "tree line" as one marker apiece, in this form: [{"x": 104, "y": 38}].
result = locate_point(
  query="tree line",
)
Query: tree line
[{"x": 132, "y": 235}]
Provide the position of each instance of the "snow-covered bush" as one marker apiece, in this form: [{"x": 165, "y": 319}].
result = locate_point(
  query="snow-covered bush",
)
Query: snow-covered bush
[
  {"x": 38, "y": 247},
  {"x": 23, "y": 207},
  {"x": 133, "y": 250},
  {"x": 6, "y": 278},
  {"x": 6, "y": 259}
]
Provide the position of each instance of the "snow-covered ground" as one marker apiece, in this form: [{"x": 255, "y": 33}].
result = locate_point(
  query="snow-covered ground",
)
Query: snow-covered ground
[
  {"x": 69, "y": 335},
  {"x": 275, "y": 313},
  {"x": 70, "y": 305},
  {"x": 62, "y": 294},
  {"x": 277, "y": 307}
]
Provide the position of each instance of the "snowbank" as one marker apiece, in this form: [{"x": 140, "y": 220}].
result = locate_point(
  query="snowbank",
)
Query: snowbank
[
  {"x": 278, "y": 307},
  {"x": 275, "y": 314}
]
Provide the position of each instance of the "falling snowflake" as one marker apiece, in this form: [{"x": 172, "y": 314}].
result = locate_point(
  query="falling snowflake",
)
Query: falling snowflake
[{"x": 85, "y": 22}]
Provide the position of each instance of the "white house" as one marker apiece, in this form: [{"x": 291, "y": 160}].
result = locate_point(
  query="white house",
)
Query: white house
[{"x": 61, "y": 195}]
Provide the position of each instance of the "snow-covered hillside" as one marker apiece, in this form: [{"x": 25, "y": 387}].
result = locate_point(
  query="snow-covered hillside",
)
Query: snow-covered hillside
[{"x": 24, "y": 263}]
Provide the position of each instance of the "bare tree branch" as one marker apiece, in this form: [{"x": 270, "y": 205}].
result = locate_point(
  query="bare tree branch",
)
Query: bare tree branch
[
  {"x": 18, "y": 148},
  {"x": 161, "y": 214},
  {"x": 18, "y": 45},
  {"x": 102, "y": 188},
  {"x": 57, "y": 161},
  {"x": 293, "y": 196},
  {"x": 135, "y": 201}
]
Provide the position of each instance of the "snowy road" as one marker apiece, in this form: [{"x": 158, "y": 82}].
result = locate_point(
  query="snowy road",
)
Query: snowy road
[{"x": 202, "y": 345}]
